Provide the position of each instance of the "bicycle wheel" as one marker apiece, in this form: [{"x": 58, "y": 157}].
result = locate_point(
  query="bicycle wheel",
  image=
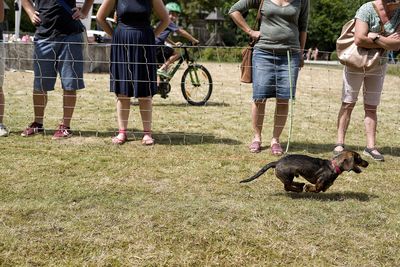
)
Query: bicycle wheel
[{"x": 196, "y": 85}]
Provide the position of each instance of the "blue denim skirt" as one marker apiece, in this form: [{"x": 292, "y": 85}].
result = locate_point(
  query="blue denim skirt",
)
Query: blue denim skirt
[{"x": 271, "y": 74}]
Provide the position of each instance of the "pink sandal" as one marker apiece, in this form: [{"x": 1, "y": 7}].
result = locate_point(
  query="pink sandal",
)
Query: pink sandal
[
  {"x": 120, "y": 139},
  {"x": 276, "y": 149},
  {"x": 255, "y": 147},
  {"x": 147, "y": 139}
]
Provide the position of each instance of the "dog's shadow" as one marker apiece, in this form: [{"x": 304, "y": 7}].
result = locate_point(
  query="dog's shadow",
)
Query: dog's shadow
[{"x": 330, "y": 196}]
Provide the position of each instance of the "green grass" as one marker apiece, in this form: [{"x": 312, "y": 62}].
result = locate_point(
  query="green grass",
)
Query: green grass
[{"x": 83, "y": 201}]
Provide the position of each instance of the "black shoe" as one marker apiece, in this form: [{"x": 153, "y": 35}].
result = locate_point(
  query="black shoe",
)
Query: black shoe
[{"x": 376, "y": 156}]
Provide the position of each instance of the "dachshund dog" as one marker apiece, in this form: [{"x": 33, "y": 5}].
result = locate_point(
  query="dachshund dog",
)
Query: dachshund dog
[{"x": 321, "y": 173}]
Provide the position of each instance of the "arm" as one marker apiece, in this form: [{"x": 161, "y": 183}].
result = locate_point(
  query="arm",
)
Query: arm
[
  {"x": 188, "y": 36},
  {"x": 105, "y": 9},
  {"x": 303, "y": 39},
  {"x": 32, "y": 13},
  {"x": 162, "y": 14},
  {"x": 237, "y": 17},
  {"x": 364, "y": 38},
  {"x": 81, "y": 13}
]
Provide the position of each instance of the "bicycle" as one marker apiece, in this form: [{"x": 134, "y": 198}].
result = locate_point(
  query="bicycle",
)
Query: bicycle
[{"x": 196, "y": 81}]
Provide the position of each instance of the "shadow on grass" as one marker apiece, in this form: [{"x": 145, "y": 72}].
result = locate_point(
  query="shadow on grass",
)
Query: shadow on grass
[
  {"x": 165, "y": 138},
  {"x": 185, "y": 104},
  {"x": 326, "y": 148},
  {"x": 331, "y": 196}
]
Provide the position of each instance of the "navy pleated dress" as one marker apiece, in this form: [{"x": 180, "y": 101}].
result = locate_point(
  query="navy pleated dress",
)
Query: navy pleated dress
[{"x": 133, "y": 55}]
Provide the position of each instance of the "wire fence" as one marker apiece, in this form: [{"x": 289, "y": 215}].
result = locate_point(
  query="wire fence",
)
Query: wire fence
[{"x": 224, "y": 118}]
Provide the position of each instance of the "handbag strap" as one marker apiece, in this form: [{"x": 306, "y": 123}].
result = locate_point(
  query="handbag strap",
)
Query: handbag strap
[
  {"x": 380, "y": 19},
  {"x": 258, "y": 18},
  {"x": 257, "y": 24}
]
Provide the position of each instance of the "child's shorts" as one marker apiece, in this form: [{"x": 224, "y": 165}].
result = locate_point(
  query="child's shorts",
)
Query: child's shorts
[{"x": 64, "y": 55}]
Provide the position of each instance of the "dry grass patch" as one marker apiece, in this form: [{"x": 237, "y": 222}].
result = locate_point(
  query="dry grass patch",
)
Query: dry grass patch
[{"x": 84, "y": 201}]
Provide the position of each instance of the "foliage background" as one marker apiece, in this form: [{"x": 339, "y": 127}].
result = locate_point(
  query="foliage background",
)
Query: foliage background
[{"x": 326, "y": 19}]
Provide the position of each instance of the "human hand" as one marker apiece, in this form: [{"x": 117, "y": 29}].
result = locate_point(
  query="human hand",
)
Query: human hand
[
  {"x": 35, "y": 19},
  {"x": 77, "y": 13},
  {"x": 395, "y": 35},
  {"x": 178, "y": 44},
  {"x": 301, "y": 63},
  {"x": 255, "y": 35}
]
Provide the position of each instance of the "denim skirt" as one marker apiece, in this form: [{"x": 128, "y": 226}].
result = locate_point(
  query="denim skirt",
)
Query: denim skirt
[{"x": 272, "y": 77}]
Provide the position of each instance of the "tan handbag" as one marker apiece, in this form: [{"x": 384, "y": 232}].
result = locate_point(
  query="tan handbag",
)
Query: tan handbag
[
  {"x": 353, "y": 56},
  {"x": 246, "y": 67},
  {"x": 246, "y": 73}
]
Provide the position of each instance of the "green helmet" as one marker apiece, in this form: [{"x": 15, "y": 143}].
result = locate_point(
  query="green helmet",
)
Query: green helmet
[{"x": 174, "y": 7}]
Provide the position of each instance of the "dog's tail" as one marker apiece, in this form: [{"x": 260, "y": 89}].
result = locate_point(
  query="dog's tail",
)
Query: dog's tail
[{"x": 260, "y": 172}]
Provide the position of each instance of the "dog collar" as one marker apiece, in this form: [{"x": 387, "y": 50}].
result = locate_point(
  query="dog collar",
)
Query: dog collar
[{"x": 336, "y": 168}]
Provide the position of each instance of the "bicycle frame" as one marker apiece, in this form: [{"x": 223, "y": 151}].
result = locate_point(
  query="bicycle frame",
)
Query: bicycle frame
[
  {"x": 184, "y": 57},
  {"x": 196, "y": 81}
]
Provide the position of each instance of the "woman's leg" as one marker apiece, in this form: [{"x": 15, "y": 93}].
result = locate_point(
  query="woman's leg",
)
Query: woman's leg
[
  {"x": 123, "y": 108},
  {"x": 370, "y": 122},
  {"x": 281, "y": 113},
  {"x": 257, "y": 118},
  {"x": 343, "y": 122},
  {"x": 146, "y": 113}
]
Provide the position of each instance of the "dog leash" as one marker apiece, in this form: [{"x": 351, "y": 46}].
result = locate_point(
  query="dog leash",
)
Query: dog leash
[{"x": 291, "y": 107}]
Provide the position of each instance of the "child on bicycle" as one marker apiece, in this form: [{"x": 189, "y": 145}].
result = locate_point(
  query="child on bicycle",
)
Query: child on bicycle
[{"x": 166, "y": 55}]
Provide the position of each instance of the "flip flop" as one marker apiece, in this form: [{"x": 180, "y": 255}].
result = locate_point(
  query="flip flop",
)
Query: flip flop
[
  {"x": 255, "y": 147},
  {"x": 276, "y": 149}
]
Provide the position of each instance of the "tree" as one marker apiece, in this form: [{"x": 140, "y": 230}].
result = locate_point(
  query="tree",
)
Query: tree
[{"x": 326, "y": 20}]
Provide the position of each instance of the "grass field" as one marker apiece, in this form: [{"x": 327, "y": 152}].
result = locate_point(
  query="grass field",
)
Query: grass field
[{"x": 83, "y": 201}]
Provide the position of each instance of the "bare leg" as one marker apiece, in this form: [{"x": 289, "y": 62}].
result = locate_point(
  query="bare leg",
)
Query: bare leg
[
  {"x": 170, "y": 60},
  {"x": 69, "y": 99},
  {"x": 257, "y": 118},
  {"x": 281, "y": 113},
  {"x": 39, "y": 105},
  {"x": 370, "y": 122},
  {"x": 123, "y": 108},
  {"x": 146, "y": 113},
  {"x": 343, "y": 122}
]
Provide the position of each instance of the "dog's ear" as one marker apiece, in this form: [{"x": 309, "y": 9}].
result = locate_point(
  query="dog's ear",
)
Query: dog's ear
[{"x": 345, "y": 160}]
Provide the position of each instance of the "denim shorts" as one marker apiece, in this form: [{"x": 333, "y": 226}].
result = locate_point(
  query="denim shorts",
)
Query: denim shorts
[
  {"x": 271, "y": 74},
  {"x": 63, "y": 55}
]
